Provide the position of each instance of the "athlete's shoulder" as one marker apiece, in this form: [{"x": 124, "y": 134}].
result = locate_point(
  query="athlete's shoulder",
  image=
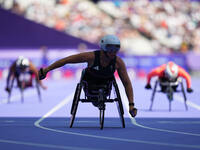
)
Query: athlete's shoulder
[
  {"x": 119, "y": 62},
  {"x": 84, "y": 56},
  {"x": 119, "y": 59}
]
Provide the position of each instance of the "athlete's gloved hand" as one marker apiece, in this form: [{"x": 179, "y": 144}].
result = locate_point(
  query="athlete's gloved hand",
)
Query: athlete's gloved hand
[
  {"x": 7, "y": 89},
  {"x": 133, "y": 112},
  {"x": 148, "y": 86},
  {"x": 41, "y": 74},
  {"x": 189, "y": 90}
]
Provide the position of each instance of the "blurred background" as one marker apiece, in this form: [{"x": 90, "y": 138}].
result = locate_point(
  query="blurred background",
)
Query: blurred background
[{"x": 152, "y": 32}]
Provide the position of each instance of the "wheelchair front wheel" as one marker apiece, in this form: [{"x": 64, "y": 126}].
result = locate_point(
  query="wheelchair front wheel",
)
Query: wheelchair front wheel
[{"x": 102, "y": 112}]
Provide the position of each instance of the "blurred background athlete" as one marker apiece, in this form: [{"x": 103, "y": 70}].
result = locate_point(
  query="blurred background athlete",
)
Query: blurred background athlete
[{"x": 169, "y": 72}]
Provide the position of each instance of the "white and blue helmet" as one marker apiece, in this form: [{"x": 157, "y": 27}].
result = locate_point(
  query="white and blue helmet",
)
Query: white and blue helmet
[
  {"x": 110, "y": 43},
  {"x": 22, "y": 62}
]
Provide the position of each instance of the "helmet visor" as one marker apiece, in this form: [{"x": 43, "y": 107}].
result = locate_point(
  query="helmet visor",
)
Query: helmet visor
[{"x": 112, "y": 48}]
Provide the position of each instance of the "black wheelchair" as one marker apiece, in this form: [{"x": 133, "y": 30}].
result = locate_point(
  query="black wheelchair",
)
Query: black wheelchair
[
  {"x": 24, "y": 84},
  {"x": 170, "y": 89},
  {"x": 97, "y": 94}
]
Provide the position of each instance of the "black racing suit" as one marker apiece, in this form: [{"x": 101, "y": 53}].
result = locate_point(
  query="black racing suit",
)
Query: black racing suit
[{"x": 97, "y": 75}]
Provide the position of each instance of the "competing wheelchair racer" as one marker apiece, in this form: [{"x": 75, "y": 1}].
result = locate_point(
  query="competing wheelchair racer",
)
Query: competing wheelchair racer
[
  {"x": 101, "y": 64},
  {"x": 169, "y": 73},
  {"x": 23, "y": 70}
]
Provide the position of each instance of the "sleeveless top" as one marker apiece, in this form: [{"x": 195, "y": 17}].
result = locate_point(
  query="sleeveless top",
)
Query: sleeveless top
[{"x": 97, "y": 73}]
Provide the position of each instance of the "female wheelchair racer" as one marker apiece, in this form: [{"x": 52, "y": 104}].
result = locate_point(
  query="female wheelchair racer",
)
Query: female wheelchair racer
[{"x": 102, "y": 63}]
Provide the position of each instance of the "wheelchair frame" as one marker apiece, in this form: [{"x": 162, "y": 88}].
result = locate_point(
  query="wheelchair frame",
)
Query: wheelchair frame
[
  {"x": 101, "y": 98},
  {"x": 169, "y": 92},
  {"x": 22, "y": 88}
]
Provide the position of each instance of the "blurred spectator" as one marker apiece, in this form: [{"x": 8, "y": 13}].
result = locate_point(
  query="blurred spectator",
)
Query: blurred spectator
[
  {"x": 44, "y": 51},
  {"x": 162, "y": 26}
]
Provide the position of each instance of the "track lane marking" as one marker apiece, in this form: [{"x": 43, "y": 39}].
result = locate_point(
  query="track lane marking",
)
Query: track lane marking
[
  {"x": 62, "y": 103},
  {"x": 189, "y": 103}
]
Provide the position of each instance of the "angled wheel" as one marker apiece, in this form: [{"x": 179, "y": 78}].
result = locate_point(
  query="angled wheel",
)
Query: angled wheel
[
  {"x": 153, "y": 95},
  {"x": 184, "y": 96},
  {"x": 38, "y": 91},
  {"x": 21, "y": 88},
  {"x": 11, "y": 87},
  {"x": 119, "y": 104},
  {"x": 170, "y": 96},
  {"x": 75, "y": 103}
]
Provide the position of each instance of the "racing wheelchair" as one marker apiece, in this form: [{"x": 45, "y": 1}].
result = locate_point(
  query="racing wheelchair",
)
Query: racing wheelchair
[
  {"x": 24, "y": 81},
  {"x": 170, "y": 88},
  {"x": 98, "y": 94}
]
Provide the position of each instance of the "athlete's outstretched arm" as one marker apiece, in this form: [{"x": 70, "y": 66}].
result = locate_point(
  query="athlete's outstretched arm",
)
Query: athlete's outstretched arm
[
  {"x": 78, "y": 58},
  {"x": 34, "y": 70},
  {"x": 155, "y": 72},
  {"x": 121, "y": 69},
  {"x": 187, "y": 77}
]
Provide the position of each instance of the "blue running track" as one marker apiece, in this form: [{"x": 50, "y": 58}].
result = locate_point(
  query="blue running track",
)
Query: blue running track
[{"x": 44, "y": 125}]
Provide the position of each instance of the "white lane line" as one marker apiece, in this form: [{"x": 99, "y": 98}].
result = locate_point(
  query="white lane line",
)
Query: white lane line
[
  {"x": 189, "y": 103},
  {"x": 133, "y": 121},
  {"x": 162, "y": 130},
  {"x": 54, "y": 109},
  {"x": 62, "y": 103},
  {"x": 48, "y": 145},
  {"x": 43, "y": 145}
]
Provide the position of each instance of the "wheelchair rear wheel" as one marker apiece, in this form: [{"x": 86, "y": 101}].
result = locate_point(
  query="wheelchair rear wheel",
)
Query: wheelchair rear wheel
[
  {"x": 120, "y": 106},
  {"x": 184, "y": 96},
  {"x": 11, "y": 87},
  {"x": 38, "y": 91},
  {"x": 102, "y": 112},
  {"x": 75, "y": 103}
]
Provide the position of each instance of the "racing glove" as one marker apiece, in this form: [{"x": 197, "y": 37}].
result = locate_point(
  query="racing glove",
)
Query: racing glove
[
  {"x": 41, "y": 74},
  {"x": 148, "y": 86},
  {"x": 189, "y": 90},
  {"x": 7, "y": 89},
  {"x": 132, "y": 111}
]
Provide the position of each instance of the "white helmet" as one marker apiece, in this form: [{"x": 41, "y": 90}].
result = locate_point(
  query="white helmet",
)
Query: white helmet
[
  {"x": 22, "y": 62},
  {"x": 171, "y": 70},
  {"x": 110, "y": 43}
]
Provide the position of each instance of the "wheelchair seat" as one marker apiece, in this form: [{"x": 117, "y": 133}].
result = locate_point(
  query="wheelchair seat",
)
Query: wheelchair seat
[
  {"x": 92, "y": 89},
  {"x": 98, "y": 92}
]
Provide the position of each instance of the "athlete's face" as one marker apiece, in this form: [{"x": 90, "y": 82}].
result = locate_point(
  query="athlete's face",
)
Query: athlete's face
[{"x": 111, "y": 55}]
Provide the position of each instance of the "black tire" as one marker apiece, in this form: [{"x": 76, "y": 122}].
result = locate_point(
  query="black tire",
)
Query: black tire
[
  {"x": 38, "y": 91},
  {"x": 153, "y": 95},
  {"x": 101, "y": 116},
  {"x": 120, "y": 105},
  {"x": 22, "y": 93},
  {"x": 11, "y": 87},
  {"x": 74, "y": 97},
  {"x": 184, "y": 96},
  {"x": 75, "y": 104},
  {"x": 121, "y": 115}
]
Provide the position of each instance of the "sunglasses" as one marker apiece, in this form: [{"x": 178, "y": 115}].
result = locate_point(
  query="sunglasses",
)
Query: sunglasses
[{"x": 112, "y": 48}]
